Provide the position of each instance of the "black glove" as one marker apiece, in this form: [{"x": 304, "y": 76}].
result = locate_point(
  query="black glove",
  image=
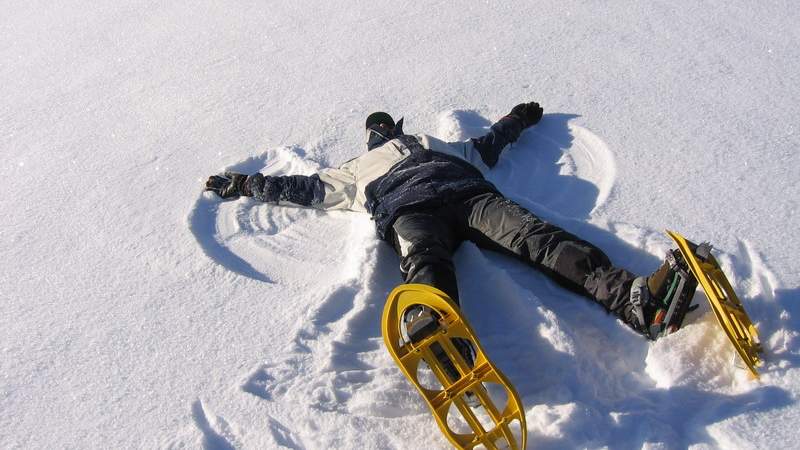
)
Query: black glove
[
  {"x": 228, "y": 185},
  {"x": 527, "y": 113}
]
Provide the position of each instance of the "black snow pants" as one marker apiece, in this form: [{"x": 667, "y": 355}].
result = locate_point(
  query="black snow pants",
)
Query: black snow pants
[{"x": 425, "y": 241}]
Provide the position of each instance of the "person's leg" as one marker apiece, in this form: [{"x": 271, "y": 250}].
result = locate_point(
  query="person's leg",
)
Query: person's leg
[
  {"x": 497, "y": 223},
  {"x": 425, "y": 243}
]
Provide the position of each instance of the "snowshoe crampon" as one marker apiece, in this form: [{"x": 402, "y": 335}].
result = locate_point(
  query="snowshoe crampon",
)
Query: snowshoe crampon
[
  {"x": 438, "y": 340},
  {"x": 727, "y": 307}
]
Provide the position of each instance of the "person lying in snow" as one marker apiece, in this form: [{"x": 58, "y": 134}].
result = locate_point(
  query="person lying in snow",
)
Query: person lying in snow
[{"x": 427, "y": 196}]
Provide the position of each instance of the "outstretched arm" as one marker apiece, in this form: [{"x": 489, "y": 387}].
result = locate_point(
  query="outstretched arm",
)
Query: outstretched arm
[
  {"x": 506, "y": 130},
  {"x": 298, "y": 189},
  {"x": 330, "y": 189}
]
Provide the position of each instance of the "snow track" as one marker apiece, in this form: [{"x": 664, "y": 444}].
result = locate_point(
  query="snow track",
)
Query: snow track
[
  {"x": 217, "y": 433},
  {"x": 334, "y": 363}
]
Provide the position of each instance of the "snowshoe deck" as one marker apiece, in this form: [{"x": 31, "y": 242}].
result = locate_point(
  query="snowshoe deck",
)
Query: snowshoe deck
[
  {"x": 441, "y": 399},
  {"x": 727, "y": 307}
]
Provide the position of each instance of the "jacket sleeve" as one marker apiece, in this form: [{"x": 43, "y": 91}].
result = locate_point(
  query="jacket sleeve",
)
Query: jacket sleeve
[
  {"x": 328, "y": 189},
  {"x": 482, "y": 152},
  {"x": 502, "y": 133}
]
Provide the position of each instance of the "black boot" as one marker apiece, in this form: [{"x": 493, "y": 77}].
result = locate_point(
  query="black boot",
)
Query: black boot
[{"x": 660, "y": 302}]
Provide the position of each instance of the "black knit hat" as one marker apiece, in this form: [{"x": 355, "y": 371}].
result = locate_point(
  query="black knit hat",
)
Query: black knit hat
[{"x": 378, "y": 118}]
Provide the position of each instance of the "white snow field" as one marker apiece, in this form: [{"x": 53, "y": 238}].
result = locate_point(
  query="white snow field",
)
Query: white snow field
[{"x": 137, "y": 311}]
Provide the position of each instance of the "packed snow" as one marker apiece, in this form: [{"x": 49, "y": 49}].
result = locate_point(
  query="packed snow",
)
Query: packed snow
[{"x": 137, "y": 311}]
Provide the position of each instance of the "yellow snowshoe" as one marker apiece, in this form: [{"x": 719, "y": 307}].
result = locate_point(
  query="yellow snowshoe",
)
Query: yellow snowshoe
[
  {"x": 423, "y": 329},
  {"x": 727, "y": 307}
]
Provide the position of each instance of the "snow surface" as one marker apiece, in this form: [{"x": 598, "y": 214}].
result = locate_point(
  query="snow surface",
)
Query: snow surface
[{"x": 138, "y": 312}]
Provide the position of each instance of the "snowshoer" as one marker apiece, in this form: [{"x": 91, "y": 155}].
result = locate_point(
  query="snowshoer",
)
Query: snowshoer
[{"x": 427, "y": 196}]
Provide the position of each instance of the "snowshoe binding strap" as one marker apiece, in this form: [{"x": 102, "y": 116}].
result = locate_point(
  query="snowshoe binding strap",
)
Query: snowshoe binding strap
[
  {"x": 678, "y": 298},
  {"x": 661, "y": 301},
  {"x": 419, "y": 322}
]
